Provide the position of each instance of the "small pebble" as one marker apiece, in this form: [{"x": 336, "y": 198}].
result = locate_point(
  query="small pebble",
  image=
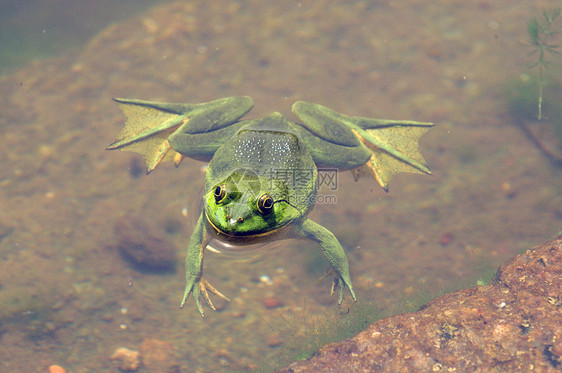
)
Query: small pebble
[
  {"x": 107, "y": 317},
  {"x": 237, "y": 314},
  {"x": 265, "y": 279},
  {"x": 47, "y": 151},
  {"x": 125, "y": 359},
  {"x": 56, "y": 369},
  {"x": 508, "y": 190},
  {"x": 274, "y": 340},
  {"x": 446, "y": 238},
  {"x": 272, "y": 302}
]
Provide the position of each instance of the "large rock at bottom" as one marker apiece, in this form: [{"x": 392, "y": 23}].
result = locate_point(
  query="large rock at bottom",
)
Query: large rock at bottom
[{"x": 512, "y": 325}]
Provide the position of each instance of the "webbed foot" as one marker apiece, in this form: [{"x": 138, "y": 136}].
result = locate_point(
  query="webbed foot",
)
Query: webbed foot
[
  {"x": 201, "y": 287},
  {"x": 147, "y": 130},
  {"x": 394, "y": 148}
]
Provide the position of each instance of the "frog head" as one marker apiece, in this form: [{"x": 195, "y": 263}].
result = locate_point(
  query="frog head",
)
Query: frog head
[{"x": 246, "y": 206}]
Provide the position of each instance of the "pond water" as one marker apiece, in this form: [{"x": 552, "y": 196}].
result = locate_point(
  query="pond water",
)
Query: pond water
[{"x": 70, "y": 298}]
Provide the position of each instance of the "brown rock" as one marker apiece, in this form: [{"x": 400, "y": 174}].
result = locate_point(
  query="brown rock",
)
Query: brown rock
[
  {"x": 272, "y": 302},
  {"x": 158, "y": 356},
  {"x": 512, "y": 325},
  {"x": 142, "y": 246}
]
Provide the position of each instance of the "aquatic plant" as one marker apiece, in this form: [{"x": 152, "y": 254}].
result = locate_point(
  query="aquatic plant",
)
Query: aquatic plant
[
  {"x": 539, "y": 34},
  {"x": 309, "y": 332}
]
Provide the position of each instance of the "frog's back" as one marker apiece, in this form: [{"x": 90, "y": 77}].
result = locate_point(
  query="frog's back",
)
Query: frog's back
[{"x": 270, "y": 149}]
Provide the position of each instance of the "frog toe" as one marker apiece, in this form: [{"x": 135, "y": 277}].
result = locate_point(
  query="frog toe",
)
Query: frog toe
[
  {"x": 335, "y": 283},
  {"x": 205, "y": 288},
  {"x": 201, "y": 289},
  {"x": 343, "y": 285},
  {"x": 189, "y": 288},
  {"x": 192, "y": 288},
  {"x": 338, "y": 281}
]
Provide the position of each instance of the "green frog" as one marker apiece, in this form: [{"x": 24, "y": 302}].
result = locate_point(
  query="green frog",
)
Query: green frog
[{"x": 261, "y": 178}]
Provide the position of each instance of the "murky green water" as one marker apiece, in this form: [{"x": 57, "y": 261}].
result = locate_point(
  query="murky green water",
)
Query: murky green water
[{"x": 69, "y": 298}]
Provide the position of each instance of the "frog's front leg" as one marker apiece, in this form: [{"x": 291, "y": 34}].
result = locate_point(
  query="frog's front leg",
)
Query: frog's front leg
[
  {"x": 195, "y": 283},
  {"x": 333, "y": 251}
]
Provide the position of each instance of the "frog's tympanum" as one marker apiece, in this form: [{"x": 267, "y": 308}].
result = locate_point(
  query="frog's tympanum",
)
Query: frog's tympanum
[{"x": 261, "y": 180}]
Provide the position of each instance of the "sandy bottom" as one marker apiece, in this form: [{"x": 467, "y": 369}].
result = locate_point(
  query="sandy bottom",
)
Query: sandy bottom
[{"x": 69, "y": 298}]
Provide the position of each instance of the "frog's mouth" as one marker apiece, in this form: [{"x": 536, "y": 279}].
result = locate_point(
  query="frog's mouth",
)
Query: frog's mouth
[{"x": 243, "y": 237}]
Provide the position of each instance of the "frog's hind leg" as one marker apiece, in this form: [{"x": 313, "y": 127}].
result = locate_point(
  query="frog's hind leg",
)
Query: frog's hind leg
[
  {"x": 158, "y": 130},
  {"x": 148, "y": 126},
  {"x": 393, "y": 144}
]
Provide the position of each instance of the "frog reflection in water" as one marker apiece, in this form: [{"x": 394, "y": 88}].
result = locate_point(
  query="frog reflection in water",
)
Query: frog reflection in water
[{"x": 250, "y": 191}]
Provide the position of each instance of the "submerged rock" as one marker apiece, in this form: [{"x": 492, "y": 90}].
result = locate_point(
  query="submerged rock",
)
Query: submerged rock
[
  {"x": 514, "y": 324},
  {"x": 158, "y": 356},
  {"x": 145, "y": 249}
]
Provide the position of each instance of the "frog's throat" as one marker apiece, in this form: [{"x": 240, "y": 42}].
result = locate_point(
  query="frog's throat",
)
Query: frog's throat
[{"x": 246, "y": 238}]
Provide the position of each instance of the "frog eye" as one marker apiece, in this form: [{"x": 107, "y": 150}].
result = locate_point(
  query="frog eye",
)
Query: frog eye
[
  {"x": 220, "y": 193},
  {"x": 265, "y": 204}
]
